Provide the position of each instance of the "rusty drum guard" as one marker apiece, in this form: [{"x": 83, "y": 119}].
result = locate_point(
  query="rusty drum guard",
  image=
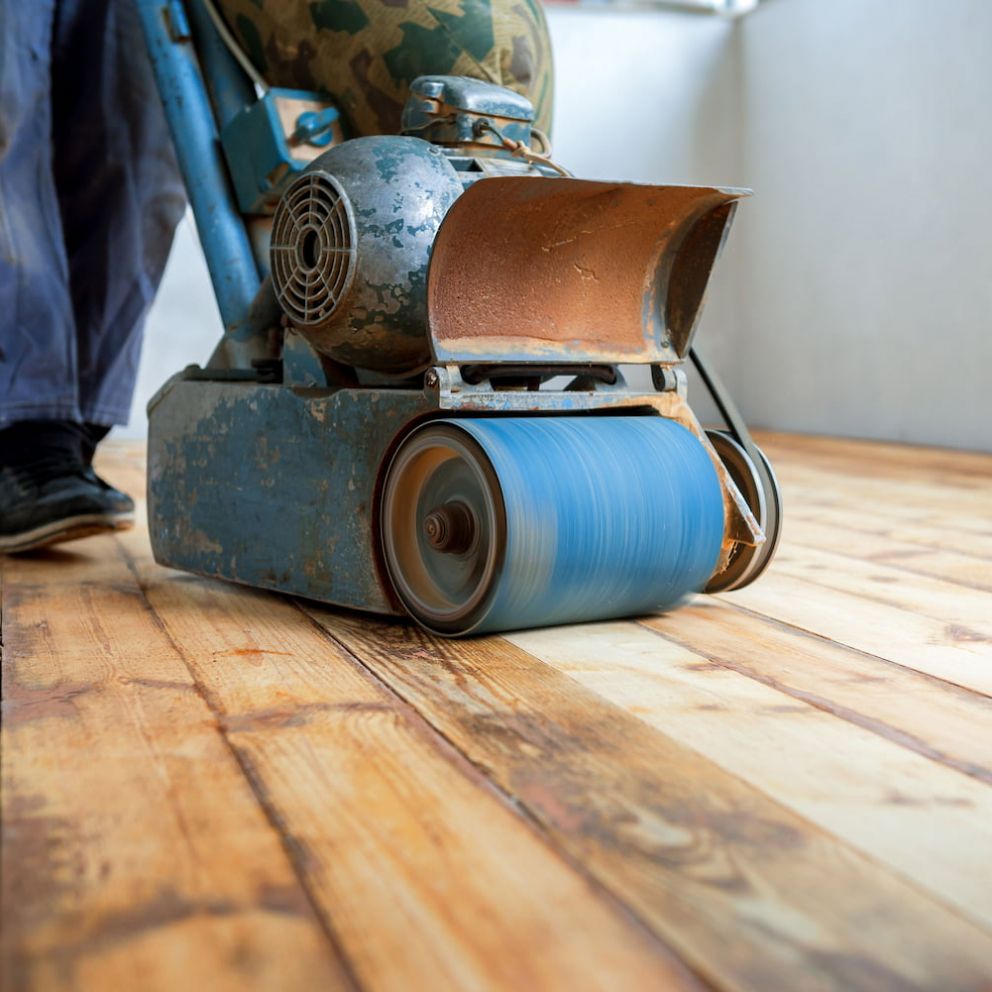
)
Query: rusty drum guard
[{"x": 529, "y": 270}]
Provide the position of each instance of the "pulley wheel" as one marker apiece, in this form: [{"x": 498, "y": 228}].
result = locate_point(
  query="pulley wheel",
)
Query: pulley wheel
[
  {"x": 504, "y": 523},
  {"x": 761, "y": 492}
]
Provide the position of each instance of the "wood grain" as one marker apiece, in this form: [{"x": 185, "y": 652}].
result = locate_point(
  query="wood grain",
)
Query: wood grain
[
  {"x": 963, "y": 609},
  {"x": 121, "y": 869},
  {"x": 940, "y": 721},
  {"x": 781, "y": 788},
  {"x": 428, "y": 876},
  {"x": 922, "y": 643},
  {"x": 754, "y": 896},
  {"x": 860, "y": 457},
  {"x": 968, "y": 570},
  {"x": 929, "y": 530},
  {"x": 879, "y": 797}
]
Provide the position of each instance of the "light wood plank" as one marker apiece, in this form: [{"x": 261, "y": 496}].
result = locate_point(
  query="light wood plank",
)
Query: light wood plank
[
  {"x": 857, "y": 456},
  {"x": 928, "y": 531},
  {"x": 937, "y": 508},
  {"x": 965, "y": 611},
  {"x": 934, "y": 718},
  {"x": 874, "y": 458},
  {"x": 135, "y": 854},
  {"x": 753, "y": 896},
  {"x": 963, "y": 569},
  {"x": 927, "y": 822},
  {"x": 904, "y": 638},
  {"x": 428, "y": 877},
  {"x": 898, "y": 497}
]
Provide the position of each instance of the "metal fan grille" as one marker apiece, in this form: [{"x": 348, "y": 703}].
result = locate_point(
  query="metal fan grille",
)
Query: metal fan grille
[{"x": 312, "y": 252}]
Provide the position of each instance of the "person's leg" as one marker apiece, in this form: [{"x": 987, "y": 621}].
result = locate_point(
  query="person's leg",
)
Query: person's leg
[
  {"x": 119, "y": 191},
  {"x": 38, "y": 379},
  {"x": 116, "y": 190}
]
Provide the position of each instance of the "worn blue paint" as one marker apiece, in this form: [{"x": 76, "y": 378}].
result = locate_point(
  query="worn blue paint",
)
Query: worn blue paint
[
  {"x": 194, "y": 132},
  {"x": 272, "y": 486},
  {"x": 605, "y": 517},
  {"x": 261, "y": 162},
  {"x": 300, "y": 363},
  {"x": 275, "y": 487},
  {"x": 228, "y": 86}
]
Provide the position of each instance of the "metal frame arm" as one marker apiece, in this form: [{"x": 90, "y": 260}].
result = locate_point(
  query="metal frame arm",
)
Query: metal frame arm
[{"x": 193, "y": 124}]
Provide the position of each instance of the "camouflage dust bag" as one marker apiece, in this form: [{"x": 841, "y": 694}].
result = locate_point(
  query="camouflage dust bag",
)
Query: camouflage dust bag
[{"x": 365, "y": 53}]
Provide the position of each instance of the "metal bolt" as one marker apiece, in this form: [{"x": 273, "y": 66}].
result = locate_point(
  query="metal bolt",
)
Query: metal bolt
[
  {"x": 431, "y": 378},
  {"x": 450, "y": 528}
]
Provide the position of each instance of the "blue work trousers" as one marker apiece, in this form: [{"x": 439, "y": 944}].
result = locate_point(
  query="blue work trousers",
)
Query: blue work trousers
[{"x": 90, "y": 196}]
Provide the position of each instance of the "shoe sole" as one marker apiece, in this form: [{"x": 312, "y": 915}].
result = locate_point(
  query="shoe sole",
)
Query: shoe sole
[{"x": 69, "y": 529}]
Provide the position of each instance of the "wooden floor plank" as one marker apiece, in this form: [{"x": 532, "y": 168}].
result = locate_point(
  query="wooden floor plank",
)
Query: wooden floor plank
[
  {"x": 897, "y": 635},
  {"x": 120, "y": 867},
  {"x": 429, "y": 878},
  {"x": 892, "y": 803},
  {"x": 782, "y": 788},
  {"x": 928, "y": 531},
  {"x": 965, "y": 611},
  {"x": 966, "y": 570},
  {"x": 938, "y": 720},
  {"x": 858, "y": 457},
  {"x": 938, "y": 506},
  {"x": 752, "y": 894},
  {"x": 900, "y": 498}
]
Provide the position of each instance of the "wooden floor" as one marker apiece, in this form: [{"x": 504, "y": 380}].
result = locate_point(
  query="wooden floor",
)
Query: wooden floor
[{"x": 785, "y": 788}]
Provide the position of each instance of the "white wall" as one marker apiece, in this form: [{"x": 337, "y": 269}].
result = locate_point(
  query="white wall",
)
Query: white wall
[
  {"x": 855, "y": 296},
  {"x": 865, "y": 259},
  {"x": 648, "y": 96},
  {"x": 183, "y": 325}
]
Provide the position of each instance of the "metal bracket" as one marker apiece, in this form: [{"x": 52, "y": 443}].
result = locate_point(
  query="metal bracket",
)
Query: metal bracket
[
  {"x": 669, "y": 379},
  {"x": 448, "y": 390}
]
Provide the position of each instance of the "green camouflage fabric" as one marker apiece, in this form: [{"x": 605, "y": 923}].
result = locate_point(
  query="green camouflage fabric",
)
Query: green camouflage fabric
[{"x": 365, "y": 53}]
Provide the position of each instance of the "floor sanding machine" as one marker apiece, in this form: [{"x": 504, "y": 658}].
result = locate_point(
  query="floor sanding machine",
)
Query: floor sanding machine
[{"x": 423, "y": 401}]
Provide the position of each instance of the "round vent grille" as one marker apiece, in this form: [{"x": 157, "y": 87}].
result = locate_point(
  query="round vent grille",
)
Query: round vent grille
[{"x": 313, "y": 248}]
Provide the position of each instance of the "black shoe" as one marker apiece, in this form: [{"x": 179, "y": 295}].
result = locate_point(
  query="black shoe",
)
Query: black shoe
[
  {"x": 121, "y": 502},
  {"x": 54, "y": 499}
]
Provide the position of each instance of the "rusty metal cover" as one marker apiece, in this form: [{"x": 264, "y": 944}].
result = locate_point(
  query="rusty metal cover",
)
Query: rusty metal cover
[{"x": 528, "y": 269}]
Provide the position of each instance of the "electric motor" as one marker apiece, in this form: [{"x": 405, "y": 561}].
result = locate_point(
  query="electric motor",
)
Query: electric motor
[{"x": 351, "y": 240}]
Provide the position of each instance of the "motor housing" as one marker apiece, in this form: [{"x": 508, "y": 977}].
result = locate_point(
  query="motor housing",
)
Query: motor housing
[{"x": 351, "y": 242}]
